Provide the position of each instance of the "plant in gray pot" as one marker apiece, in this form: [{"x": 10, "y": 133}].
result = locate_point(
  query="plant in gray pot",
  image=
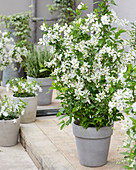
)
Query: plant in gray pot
[
  {"x": 10, "y": 112},
  {"x": 36, "y": 70},
  {"x": 10, "y": 56},
  {"x": 17, "y": 27},
  {"x": 89, "y": 55},
  {"x": 26, "y": 91}
]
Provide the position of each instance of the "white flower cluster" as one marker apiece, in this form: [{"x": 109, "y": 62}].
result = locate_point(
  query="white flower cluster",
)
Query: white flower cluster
[
  {"x": 9, "y": 52},
  {"x": 23, "y": 86},
  {"x": 75, "y": 55},
  {"x": 121, "y": 100},
  {"x": 10, "y": 110}
]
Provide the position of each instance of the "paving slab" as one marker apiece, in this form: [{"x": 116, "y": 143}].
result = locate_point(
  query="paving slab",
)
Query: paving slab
[
  {"x": 55, "y": 149},
  {"x": 15, "y": 158}
]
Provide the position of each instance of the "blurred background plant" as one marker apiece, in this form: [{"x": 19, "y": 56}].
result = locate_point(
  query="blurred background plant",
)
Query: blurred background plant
[
  {"x": 34, "y": 62},
  {"x": 18, "y": 27},
  {"x": 65, "y": 8}
]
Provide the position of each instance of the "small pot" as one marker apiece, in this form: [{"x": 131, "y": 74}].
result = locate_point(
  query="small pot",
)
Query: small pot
[
  {"x": 44, "y": 97},
  {"x": 92, "y": 145},
  {"x": 9, "y": 132},
  {"x": 29, "y": 115}
]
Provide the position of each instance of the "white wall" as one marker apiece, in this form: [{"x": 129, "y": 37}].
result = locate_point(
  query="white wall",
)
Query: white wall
[
  {"x": 126, "y": 9},
  {"x": 9, "y": 7}
]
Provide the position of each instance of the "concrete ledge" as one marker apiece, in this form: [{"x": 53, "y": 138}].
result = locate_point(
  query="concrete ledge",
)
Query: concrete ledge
[
  {"x": 41, "y": 150},
  {"x": 53, "y": 149}
]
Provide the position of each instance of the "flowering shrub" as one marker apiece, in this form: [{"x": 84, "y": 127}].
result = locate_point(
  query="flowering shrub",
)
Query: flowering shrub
[
  {"x": 9, "y": 52},
  {"x": 23, "y": 88},
  {"x": 9, "y": 110},
  {"x": 89, "y": 55},
  {"x": 125, "y": 101}
]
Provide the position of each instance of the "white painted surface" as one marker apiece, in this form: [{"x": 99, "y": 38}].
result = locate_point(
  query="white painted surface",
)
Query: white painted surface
[{"x": 126, "y": 9}]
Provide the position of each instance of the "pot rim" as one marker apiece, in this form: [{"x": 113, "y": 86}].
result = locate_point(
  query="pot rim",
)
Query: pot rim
[
  {"x": 9, "y": 120},
  {"x": 40, "y": 78},
  {"x": 92, "y": 127},
  {"x": 24, "y": 97},
  {"x": 91, "y": 132}
]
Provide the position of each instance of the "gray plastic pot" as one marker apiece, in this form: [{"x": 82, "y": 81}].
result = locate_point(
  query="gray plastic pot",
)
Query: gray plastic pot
[
  {"x": 92, "y": 145},
  {"x": 44, "y": 97},
  {"x": 29, "y": 115},
  {"x": 9, "y": 132},
  {"x": 9, "y": 73}
]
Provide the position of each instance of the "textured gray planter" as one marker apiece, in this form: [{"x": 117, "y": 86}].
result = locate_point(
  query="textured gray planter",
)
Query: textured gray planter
[
  {"x": 44, "y": 97},
  {"x": 9, "y": 132},
  {"x": 92, "y": 145},
  {"x": 29, "y": 115},
  {"x": 9, "y": 73}
]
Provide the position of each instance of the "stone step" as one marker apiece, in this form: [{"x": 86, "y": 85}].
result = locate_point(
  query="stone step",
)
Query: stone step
[
  {"x": 53, "y": 149},
  {"x": 41, "y": 149}
]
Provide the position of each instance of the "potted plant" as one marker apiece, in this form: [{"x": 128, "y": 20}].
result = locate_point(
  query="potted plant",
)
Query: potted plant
[
  {"x": 35, "y": 69},
  {"x": 27, "y": 92},
  {"x": 10, "y": 56},
  {"x": 17, "y": 27},
  {"x": 10, "y": 121},
  {"x": 89, "y": 55}
]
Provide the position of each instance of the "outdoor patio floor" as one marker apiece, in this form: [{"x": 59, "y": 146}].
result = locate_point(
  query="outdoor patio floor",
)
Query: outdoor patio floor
[{"x": 53, "y": 149}]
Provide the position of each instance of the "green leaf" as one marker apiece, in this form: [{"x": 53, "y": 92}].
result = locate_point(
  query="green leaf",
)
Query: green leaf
[
  {"x": 121, "y": 51},
  {"x": 113, "y": 2},
  {"x": 61, "y": 110},
  {"x": 62, "y": 126},
  {"x": 113, "y": 29},
  {"x": 62, "y": 117},
  {"x": 111, "y": 90},
  {"x": 126, "y": 167}
]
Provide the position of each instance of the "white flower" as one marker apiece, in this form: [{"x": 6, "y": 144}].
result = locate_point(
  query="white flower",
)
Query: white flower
[
  {"x": 14, "y": 88},
  {"x": 22, "y": 113},
  {"x": 105, "y": 20},
  {"x": 80, "y": 6},
  {"x": 40, "y": 89},
  {"x": 134, "y": 107},
  {"x": 5, "y": 114},
  {"x": 14, "y": 120},
  {"x": 7, "y": 86}
]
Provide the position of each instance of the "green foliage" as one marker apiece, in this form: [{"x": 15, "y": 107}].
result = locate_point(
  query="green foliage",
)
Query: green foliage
[
  {"x": 34, "y": 62},
  {"x": 65, "y": 8},
  {"x": 130, "y": 153},
  {"x": 10, "y": 110},
  {"x": 23, "y": 88},
  {"x": 133, "y": 35},
  {"x": 18, "y": 26},
  {"x": 72, "y": 45}
]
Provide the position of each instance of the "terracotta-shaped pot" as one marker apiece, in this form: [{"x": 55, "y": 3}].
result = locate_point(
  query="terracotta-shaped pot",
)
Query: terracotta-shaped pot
[
  {"x": 92, "y": 145},
  {"x": 30, "y": 110},
  {"x": 44, "y": 97},
  {"x": 9, "y": 131}
]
